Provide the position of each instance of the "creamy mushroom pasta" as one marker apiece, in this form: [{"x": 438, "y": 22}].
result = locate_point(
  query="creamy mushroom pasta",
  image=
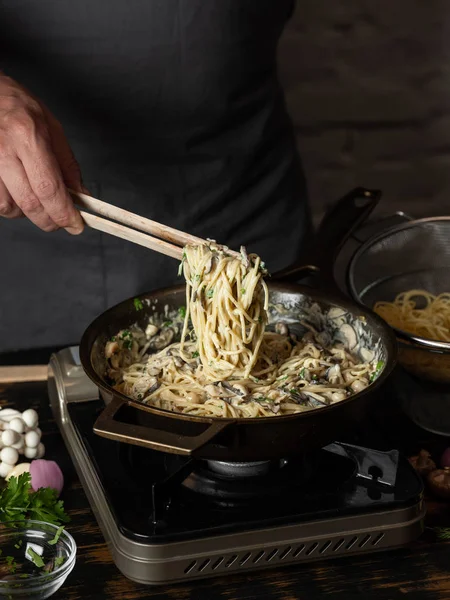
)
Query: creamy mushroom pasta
[{"x": 227, "y": 363}]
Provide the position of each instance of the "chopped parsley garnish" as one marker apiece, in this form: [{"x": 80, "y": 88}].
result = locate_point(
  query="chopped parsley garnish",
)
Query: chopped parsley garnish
[
  {"x": 138, "y": 304},
  {"x": 11, "y": 563},
  {"x": 113, "y": 339},
  {"x": 57, "y": 536},
  {"x": 314, "y": 377},
  {"x": 24, "y": 576},
  {"x": 35, "y": 558},
  {"x": 182, "y": 312},
  {"x": 243, "y": 290},
  {"x": 260, "y": 319},
  {"x": 19, "y": 543},
  {"x": 293, "y": 391},
  {"x": 125, "y": 334},
  {"x": 378, "y": 369},
  {"x": 60, "y": 560},
  {"x": 128, "y": 344},
  {"x": 282, "y": 378},
  {"x": 302, "y": 373},
  {"x": 210, "y": 293},
  {"x": 195, "y": 354},
  {"x": 197, "y": 277},
  {"x": 167, "y": 323}
]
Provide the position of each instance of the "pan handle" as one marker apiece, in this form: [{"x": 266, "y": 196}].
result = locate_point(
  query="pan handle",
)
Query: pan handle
[
  {"x": 339, "y": 222},
  {"x": 109, "y": 427}
]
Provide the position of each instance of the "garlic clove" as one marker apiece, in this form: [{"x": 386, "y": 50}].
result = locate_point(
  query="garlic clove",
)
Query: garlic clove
[
  {"x": 18, "y": 470},
  {"x": 46, "y": 473}
]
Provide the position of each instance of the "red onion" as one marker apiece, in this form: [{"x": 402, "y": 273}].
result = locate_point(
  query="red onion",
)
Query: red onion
[
  {"x": 46, "y": 473},
  {"x": 445, "y": 458}
]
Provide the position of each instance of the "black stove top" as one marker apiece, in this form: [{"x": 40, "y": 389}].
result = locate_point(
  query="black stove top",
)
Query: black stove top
[{"x": 158, "y": 498}]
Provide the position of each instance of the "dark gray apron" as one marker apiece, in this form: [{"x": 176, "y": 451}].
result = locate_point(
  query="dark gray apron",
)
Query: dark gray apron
[{"x": 174, "y": 111}]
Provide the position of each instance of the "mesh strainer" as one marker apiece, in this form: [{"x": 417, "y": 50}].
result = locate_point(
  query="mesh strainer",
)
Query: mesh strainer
[{"x": 415, "y": 255}]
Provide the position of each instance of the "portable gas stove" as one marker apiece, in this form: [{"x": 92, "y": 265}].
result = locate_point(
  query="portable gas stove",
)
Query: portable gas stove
[{"x": 168, "y": 518}]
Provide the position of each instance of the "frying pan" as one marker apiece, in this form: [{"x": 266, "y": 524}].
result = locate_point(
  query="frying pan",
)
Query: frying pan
[{"x": 254, "y": 439}]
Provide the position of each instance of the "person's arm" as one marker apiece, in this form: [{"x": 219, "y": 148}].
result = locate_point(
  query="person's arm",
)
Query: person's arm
[{"x": 36, "y": 163}]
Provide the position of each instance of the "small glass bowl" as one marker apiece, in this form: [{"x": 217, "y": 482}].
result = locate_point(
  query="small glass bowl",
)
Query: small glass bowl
[{"x": 22, "y": 545}]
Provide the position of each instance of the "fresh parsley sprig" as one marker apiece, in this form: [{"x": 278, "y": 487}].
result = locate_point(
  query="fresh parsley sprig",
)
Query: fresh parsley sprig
[{"x": 18, "y": 502}]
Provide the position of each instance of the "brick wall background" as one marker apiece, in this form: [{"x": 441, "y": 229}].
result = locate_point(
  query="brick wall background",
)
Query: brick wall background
[{"x": 368, "y": 89}]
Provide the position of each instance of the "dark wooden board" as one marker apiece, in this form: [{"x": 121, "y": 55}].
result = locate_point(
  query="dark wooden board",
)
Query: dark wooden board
[{"x": 421, "y": 571}]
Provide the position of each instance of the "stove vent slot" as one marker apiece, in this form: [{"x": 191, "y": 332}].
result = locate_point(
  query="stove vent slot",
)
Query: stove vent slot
[
  {"x": 272, "y": 555},
  {"x": 298, "y": 550},
  {"x": 204, "y": 564},
  {"x": 190, "y": 566},
  {"x": 378, "y": 539},
  {"x": 325, "y": 547},
  {"x": 244, "y": 559},
  {"x": 217, "y": 563},
  {"x": 231, "y": 561},
  {"x": 275, "y": 555},
  {"x": 285, "y": 553},
  {"x": 351, "y": 543}
]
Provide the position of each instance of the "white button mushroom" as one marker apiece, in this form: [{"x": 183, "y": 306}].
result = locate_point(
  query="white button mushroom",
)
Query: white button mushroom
[
  {"x": 19, "y": 445},
  {"x": 17, "y": 424},
  {"x": 32, "y": 439},
  {"x": 5, "y": 469},
  {"x": 9, "y": 456},
  {"x": 9, "y": 413},
  {"x": 30, "y": 418},
  {"x": 10, "y": 437},
  {"x": 30, "y": 452}
]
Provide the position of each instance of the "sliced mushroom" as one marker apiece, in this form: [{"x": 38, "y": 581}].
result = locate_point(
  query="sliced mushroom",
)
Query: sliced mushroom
[
  {"x": 338, "y": 396},
  {"x": 367, "y": 355},
  {"x": 348, "y": 334},
  {"x": 208, "y": 266},
  {"x": 216, "y": 391},
  {"x": 358, "y": 385},
  {"x": 163, "y": 339},
  {"x": 334, "y": 374},
  {"x": 179, "y": 362},
  {"x": 145, "y": 385},
  {"x": 245, "y": 260},
  {"x": 196, "y": 398},
  {"x": 282, "y": 328},
  {"x": 111, "y": 348},
  {"x": 151, "y": 330},
  {"x": 237, "y": 389}
]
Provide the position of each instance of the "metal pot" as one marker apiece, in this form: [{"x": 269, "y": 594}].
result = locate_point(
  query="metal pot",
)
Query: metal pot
[{"x": 242, "y": 440}]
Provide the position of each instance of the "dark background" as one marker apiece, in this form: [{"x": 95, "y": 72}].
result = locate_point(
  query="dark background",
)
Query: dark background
[{"x": 368, "y": 87}]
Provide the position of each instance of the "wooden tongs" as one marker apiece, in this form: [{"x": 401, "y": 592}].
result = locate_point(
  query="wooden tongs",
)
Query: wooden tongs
[{"x": 134, "y": 228}]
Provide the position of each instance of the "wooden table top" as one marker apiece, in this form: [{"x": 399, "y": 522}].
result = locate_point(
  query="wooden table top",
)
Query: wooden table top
[{"x": 420, "y": 571}]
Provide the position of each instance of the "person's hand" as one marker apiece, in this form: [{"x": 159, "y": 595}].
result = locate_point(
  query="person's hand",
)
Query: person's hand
[{"x": 36, "y": 163}]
